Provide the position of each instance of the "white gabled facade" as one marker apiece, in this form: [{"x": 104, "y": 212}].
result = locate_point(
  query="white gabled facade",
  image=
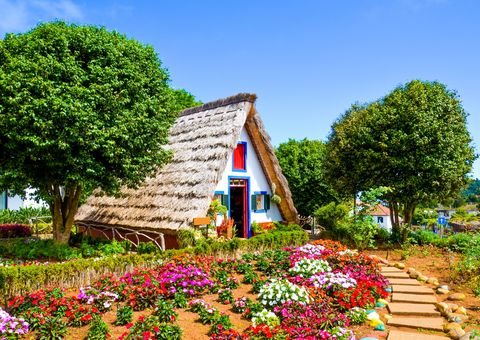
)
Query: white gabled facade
[{"x": 257, "y": 184}]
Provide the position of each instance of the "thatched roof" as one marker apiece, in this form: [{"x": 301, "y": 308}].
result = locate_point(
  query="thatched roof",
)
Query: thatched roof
[{"x": 202, "y": 140}]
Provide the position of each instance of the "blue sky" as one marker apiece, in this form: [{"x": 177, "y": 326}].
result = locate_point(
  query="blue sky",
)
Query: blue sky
[{"x": 307, "y": 61}]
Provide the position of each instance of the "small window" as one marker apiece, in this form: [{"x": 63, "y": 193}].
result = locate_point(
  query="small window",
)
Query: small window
[
  {"x": 240, "y": 157},
  {"x": 260, "y": 202},
  {"x": 380, "y": 219},
  {"x": 221, "y": 197}
]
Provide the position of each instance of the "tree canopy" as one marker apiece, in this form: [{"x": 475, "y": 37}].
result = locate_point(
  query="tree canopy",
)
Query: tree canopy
[
  {"x": 414, "y": 141},
  {"x": 472, "y": 192},
  {"x": 301, "y": 163},
  {"x": 80, "y": 108}
]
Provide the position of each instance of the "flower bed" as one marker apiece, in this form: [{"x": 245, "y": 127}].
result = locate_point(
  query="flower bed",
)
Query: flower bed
[{"x": 315, "y": 291}]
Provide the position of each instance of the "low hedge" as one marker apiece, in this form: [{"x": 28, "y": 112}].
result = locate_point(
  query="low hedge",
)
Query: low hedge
[
  {"x": 14, "y": 230},
  {"x": 16, "y": 280}
]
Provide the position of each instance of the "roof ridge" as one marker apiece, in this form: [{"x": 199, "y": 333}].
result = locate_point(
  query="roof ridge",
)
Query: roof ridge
[{"x": 238, "y": 98}]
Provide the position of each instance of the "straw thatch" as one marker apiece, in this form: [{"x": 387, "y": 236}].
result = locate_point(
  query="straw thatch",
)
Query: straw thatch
[{"x": 202, "y": 140}]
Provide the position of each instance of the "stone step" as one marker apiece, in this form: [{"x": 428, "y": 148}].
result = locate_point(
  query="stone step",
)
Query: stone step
[
  {"x": 390, "y": 270},
  {"x": 412, "y": 289},
  {"x": 407, "y": 282},
  {"x": 399, "y": 335},
  {"x": 431, "y": 323},
  {"x": 400, "y": 275},
  {"x": 414, "y": 309},
  {"x": 413, "y": 298}
]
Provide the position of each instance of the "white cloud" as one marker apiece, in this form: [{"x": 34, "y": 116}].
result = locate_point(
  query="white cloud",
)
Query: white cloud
[{"x": 20, "y": 15}]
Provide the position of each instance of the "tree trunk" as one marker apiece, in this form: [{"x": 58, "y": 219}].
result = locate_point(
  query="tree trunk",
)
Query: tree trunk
[
  {"x": 408, "y": 210},
  {"x": 390, "y": 204},
  {"x": 64, "y": 206},
  {"x": 354, "y": 203},
  {"x": 408, "y": 213},
  {"x": 396, "y": 228}
]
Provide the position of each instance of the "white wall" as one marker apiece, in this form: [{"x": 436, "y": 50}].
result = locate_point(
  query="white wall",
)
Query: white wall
[
  {"x": 257, "y": 181},
  {"x": 16, "y": 202},
  {"x": 387, "y": 224}
]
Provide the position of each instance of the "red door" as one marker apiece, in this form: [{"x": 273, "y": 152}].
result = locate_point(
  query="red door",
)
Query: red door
[{"x": 239, "y": 205}]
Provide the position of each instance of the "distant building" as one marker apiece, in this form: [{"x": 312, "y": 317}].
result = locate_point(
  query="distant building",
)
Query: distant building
[
  {"x": 15, "y": 202},
  {"x": 445, "y": 212},
  {"x": 381, "y": 216}
]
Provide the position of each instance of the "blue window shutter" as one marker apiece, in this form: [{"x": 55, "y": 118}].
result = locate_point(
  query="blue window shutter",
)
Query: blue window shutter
[
  {"x": 225, "y": 201},
  {"x": 267, "y": 202},
  {"x": 253, "y": 202}
]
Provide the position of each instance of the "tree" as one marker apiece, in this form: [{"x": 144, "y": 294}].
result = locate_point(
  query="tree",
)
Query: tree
[
  {"x": 301, "y": 163},
  {"x": 184, "y": 99},
  {"x": 80, "y": 108},
  {"x": 414, "y": 141},
  {"x": 347, "y": 167},
  {"x": 472, "y": 193}
]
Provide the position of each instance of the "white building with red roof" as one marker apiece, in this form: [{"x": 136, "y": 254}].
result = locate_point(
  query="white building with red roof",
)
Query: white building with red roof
[{"x": 381, "y": 216}]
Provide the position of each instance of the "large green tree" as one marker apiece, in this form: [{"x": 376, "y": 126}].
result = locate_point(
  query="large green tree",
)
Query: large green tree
[
  {"x": 80, "y": 108},
  {"x": 414, "y": 141},
  {"x": 301, "y": 163}
]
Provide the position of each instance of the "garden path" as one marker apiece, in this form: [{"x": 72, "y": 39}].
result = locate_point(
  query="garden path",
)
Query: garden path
[{"x": 412, "y": 308}]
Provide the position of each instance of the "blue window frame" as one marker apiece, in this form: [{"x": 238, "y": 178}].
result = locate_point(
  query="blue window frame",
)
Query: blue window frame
[
  {"x": 239, "y": 158},
  {"x": 260, "y": 201},
  {"x": 222, "y": 198}
]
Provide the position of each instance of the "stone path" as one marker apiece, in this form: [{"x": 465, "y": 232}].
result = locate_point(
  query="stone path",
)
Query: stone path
[
  {"x": 412, "y": 308},
  {"x": 399, "y": 335}
]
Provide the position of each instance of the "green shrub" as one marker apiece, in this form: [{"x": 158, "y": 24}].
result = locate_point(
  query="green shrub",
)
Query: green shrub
[
  {"x": 186, "y": 238},
  {"x": 423, "y": 237},
  {"x": 124, "y": 315},
  {"x": 332, "y": 216},
  {"x": 286, "y": 227},
  {"x": 113, "y": 247},
  {"x": 98, "y": 329},
  {"x": 359, "y": 231},
  {"x": 23, "y": 215},
  {"x": 179, "y": 300},
  {"x": 52, "y": 329},
  {"x": 33, "y": 249},
  {"x": 158, "y": 330},
  {"x": 164, "y": 311},
  {"x": 383, "y": 236},
  {"x": 463, "y": 241},
  {"x": 147, "y": 248}
]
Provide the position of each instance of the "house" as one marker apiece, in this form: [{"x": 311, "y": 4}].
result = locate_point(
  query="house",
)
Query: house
[
  {"x": 220, "y": 150},
  {"x": 15, "y": 202},
  {"x": 381, "y": 216},
  {"x": 445, "y": 212}
]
